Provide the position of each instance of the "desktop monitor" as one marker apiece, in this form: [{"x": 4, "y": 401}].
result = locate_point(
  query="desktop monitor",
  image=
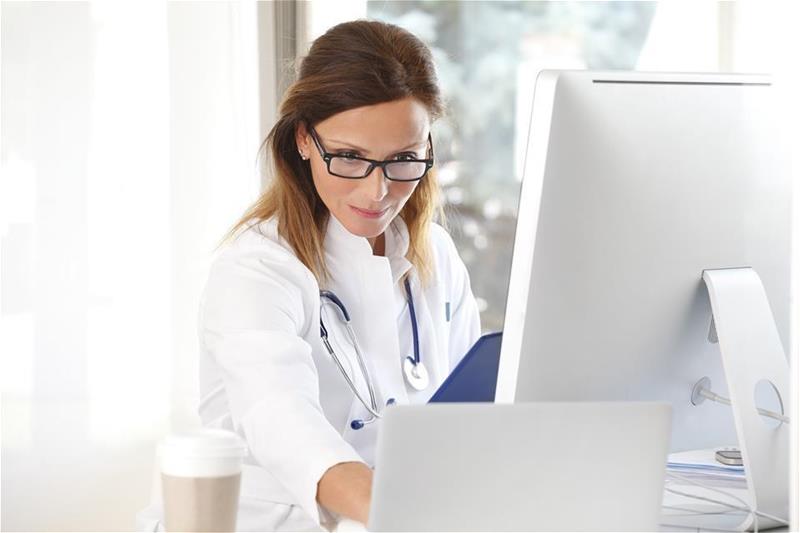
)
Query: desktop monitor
[{"x": 634, "y": 184}]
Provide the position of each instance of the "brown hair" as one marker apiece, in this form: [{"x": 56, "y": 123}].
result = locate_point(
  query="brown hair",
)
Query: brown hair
[{"x": 354, "y": 64}]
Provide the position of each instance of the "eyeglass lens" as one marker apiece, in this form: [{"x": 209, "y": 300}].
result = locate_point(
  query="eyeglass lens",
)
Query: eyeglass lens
[{"x": 401, "y": 170}]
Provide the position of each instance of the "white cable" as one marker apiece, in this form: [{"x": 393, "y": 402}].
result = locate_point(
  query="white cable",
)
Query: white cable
[
  {"x": 694, "y": 512},
  {"x": 714, "y": 397},
  {"x": 709, "y": 487},
  {"x": 746, "y": 507},
  {"x": 719, "y": 502}
]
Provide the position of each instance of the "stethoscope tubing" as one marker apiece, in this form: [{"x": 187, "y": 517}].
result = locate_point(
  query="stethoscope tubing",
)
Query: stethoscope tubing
[
  {"x": 372, "y": 406},
  {"x": 330, "y": 299},
  {"x": 414, "y": 331}
]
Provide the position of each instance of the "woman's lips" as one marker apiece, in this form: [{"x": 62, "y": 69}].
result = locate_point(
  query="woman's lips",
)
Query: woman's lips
[{"x": 367, "y": 213}]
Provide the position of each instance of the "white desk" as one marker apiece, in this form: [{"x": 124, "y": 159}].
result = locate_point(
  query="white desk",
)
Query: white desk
[{"x": 679, "y": 513}]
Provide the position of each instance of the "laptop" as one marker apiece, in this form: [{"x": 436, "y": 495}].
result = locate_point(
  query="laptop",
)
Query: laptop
[{"x": 521, "y": 467}]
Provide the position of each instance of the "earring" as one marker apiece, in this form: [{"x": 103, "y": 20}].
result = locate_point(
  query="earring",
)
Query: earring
[{"x": 302, "y": 155}]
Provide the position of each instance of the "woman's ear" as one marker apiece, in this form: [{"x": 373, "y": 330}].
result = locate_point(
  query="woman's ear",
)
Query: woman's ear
[{"x": 302, "y": 139}]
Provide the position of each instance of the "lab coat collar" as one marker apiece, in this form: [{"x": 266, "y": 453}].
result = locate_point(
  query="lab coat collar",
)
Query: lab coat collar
[
  {"x": 397, "y": 241},
  {"x": 339, "y": 241}
]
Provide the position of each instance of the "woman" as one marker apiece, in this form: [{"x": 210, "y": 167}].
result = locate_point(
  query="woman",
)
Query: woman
[{"x": 332, "y": 220}]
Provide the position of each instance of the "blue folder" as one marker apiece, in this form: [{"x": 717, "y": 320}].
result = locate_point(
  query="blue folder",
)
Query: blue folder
[{"x": 474, "y": 379}]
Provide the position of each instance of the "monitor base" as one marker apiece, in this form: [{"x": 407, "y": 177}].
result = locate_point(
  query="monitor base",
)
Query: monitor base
[{"x": 752, "y": 353}]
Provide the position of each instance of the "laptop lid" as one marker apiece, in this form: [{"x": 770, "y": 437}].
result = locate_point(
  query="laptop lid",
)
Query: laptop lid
[{"x": 521, "y": 467}]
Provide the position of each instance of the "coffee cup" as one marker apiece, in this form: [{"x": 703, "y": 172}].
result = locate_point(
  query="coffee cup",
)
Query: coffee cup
[{"x": 200, "y": 476}]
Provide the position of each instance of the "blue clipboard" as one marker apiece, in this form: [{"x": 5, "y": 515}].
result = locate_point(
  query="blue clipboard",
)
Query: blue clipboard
[{"x": 474, "y": 379}]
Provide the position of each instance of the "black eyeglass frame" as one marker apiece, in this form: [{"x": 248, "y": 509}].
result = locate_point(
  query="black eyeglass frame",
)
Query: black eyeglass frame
[{"x": 328, "y": 157}]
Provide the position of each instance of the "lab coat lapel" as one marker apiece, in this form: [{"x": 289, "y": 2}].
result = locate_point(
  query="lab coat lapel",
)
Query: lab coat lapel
[
  {"x": 428, "y": 323},
  {"x": 365, "y": 284}
]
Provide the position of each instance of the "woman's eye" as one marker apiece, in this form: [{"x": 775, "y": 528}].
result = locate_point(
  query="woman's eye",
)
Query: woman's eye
[
  {"x": 348, "y": 155},
  {"x": 406, "y": 157}
]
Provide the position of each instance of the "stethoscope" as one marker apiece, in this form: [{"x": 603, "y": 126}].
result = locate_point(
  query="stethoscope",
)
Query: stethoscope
[{"x": 415, "y": 372}]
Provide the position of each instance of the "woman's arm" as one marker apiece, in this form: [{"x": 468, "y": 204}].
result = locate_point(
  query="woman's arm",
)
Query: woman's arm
[
  {"x": 345, "y": 489},
  {"x": 254, "y": 324}
]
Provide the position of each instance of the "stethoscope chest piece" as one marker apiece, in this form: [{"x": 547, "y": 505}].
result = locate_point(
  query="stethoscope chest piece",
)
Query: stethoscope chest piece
[{"x": 416, "y": 374}]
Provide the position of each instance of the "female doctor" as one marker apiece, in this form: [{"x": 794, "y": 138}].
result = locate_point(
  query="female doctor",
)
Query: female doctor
[{"x": 336, "y": 293}]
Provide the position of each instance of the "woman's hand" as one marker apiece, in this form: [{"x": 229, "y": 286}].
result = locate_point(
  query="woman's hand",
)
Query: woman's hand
[{"x": 346, "y": 489}]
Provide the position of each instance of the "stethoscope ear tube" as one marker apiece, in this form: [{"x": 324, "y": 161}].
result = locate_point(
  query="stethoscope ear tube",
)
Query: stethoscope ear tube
[
  {"x": 337, "y": 302},
  {"x": 415, "y": 372},
  {"x": 372, "y": 406}
]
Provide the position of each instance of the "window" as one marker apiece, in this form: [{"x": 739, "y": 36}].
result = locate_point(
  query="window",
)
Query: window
[{"x": 488, "y": 55}]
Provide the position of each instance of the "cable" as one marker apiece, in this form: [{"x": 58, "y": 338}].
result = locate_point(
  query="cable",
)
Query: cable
[
  {"x": 719, "y": 502},
  {"x": 702, "y": 391},
  {"x": 694, "y": 512},
  {"x": 709, "y": 487},
  {"x": 714, "y": 397},
  {"x": 745, "y": 506}
]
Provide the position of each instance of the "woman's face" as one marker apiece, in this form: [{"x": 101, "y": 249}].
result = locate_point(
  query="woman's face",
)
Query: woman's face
[{"x": 382, "y": 131}]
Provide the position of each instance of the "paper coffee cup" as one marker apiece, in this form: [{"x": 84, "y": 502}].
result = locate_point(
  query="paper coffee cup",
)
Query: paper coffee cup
[{"x": 200, "y": 476}]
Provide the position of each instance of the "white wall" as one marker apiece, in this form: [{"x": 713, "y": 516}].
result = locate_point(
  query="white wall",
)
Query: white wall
[{"x": 129, "y": 137}]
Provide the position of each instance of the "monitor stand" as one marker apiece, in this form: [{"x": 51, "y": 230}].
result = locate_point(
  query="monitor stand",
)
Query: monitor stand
[{"x": 751, "y": 353}]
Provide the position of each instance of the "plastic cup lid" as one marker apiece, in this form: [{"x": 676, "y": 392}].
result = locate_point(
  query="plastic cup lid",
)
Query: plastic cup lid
[{"x": 204, "y": 443}]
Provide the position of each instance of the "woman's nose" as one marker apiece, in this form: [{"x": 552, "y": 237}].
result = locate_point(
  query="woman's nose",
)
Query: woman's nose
[{"x": 377, "y": 185}]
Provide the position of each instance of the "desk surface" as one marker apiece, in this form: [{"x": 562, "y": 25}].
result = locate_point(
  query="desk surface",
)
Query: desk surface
[{"x": 680, "y": 514}]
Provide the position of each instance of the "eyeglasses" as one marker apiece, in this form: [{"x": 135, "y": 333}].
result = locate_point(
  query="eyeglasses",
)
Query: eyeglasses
[{"x": 350, "y": 166}]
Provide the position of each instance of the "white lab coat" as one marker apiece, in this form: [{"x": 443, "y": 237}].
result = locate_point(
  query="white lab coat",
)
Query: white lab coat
[{"x": 265, "y": 374}]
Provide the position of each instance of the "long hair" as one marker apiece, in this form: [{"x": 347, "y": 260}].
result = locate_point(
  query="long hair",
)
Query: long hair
[{"x": 353, "y": 64}]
